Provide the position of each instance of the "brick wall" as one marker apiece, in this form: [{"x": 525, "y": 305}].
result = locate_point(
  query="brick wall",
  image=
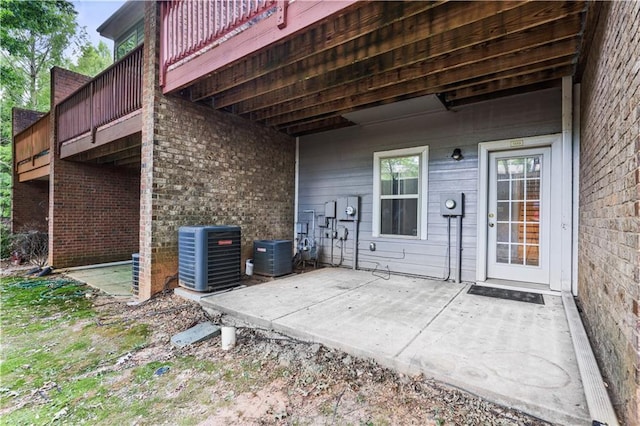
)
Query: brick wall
[
  {"x": 94, "y": 209},
  {"x": 95, "y": 214},
  {"x": 201, "y": 166},
  {"x": 23, "y": 118},
  {"x": 609, "y": 266},
  {"x": 29, "y": 200},
  {"x": 29, "y": 205},
  {"x": 66, "y": 83}
]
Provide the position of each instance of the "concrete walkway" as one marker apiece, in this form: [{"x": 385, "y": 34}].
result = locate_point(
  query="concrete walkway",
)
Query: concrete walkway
[{"x": 513, "y": 353}]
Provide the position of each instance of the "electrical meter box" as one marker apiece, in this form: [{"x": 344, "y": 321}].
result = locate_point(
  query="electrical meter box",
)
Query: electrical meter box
[
  {"x": 452, "y": 204},
  {"x": 330, "y": 210},
  {"x": 347, "y": 207}
]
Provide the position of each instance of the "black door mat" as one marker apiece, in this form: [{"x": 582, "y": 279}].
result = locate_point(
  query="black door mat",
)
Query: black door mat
[{"x": 503, "y": 293}]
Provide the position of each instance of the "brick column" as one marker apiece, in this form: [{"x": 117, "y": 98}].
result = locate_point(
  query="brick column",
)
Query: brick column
[
  {"x": 609, "y": 233},
  {"x": 204, "y": 167},
  {"x": 93, "y": 208}
]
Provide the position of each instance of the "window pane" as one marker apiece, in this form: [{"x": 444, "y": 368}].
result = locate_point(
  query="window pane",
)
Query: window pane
[
  {"x": 399, "y": 217},
  {"x": 399, "y": 175}
]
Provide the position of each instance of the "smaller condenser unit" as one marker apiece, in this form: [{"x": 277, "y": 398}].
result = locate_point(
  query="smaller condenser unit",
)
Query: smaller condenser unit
[
  {"x": 135, "y": 269},
  {"x": 272, "y": 257},
  {"x": 209, "y": 257}
]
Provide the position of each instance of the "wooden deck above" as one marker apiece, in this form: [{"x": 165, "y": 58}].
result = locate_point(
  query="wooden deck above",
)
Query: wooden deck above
[
  {"x": 31, "y": 151},
  {"x": 104, "y": 115},
  {"x": 364, "y": 54}
]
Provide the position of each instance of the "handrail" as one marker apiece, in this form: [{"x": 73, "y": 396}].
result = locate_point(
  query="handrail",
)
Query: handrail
[
  {"x": 112, "y": 94},
  {"x": 188, "y": 27},
  {"x": 32, "y": 141}
]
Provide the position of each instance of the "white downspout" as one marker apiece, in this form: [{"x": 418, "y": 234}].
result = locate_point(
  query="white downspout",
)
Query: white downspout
[
  {"x": 566, "y": 190},
  {"x": 576, "y": 188}
]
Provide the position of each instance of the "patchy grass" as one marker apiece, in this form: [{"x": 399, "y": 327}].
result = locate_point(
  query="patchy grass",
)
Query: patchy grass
[
  {"x": 51, "y": 350},
  {"x": 70, "y": 356}
]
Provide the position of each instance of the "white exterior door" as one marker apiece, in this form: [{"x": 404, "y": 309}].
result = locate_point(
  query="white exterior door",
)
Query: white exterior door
[{"x": 518, "y": 218}]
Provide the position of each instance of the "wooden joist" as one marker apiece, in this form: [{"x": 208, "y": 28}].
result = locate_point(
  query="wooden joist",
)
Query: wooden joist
[
  {"x": 442, "y": 51},
  {"x": 423, "y": 77},
  {"x": 373, "y": 53},
  {"x": 366, "y": 18}
]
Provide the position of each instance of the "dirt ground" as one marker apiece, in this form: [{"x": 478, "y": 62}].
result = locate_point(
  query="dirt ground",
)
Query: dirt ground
[{"x": 277, "y": 380}]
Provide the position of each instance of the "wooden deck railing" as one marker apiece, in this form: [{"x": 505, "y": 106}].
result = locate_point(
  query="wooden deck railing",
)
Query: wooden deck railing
[
  {"x": 32, "y": 146},
  {"x": 112, "y": 94},
  {"x": 190, "y": 26}
]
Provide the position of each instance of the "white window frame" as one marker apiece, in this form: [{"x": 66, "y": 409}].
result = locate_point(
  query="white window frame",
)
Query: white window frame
[{"x": 423, "y": 184}]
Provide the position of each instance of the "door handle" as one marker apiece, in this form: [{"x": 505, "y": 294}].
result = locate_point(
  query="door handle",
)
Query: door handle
[{"x": 491, "y": 225}]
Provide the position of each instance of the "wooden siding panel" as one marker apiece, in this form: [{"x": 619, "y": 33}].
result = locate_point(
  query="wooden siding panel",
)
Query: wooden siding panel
[{"x": 340, "y": 163}]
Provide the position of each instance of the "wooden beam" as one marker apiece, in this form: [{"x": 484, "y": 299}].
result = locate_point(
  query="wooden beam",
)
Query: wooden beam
[
  {"x": 312, "y": 46},
  {"x": 34, "y": 174},
  {"x": 318, "y": 126},
  {"x": 108, "y": 149},
  {"x": 120, "y": 155},
  {"x": 415, "y": 89},
  {"x": 106, "y": 134},
  {"x": 429, "y": 34},
  {"x": 526, "y": 75},
  {"x": 124, "y": 126},
  {"x": 593, "y": 11},
  {"x": 300, "y": 14},
  {"x": 128, "y": 161},
  {"x": 539, "y": 83},
  {"x": 36, "y": 163},
  {"x": 509, "y": 83},
  {"x": 432, "y": 41},
  {"x": 511, "y": 44},
  {"x": 414, "y": 78}
]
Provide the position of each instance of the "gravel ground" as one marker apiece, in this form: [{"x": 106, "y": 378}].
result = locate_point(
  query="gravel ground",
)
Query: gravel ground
[{"x": 285, "y": 381}]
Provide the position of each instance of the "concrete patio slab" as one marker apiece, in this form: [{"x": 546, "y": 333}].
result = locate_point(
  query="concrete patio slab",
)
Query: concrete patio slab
[
  {"x": 513, "y": 353},
  {"x": 112, "y": 279},
  {"x": 513, "y": 350}
]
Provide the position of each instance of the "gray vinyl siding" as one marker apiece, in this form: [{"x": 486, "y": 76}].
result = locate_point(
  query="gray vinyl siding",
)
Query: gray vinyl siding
[{"x": 340, "y": 163}]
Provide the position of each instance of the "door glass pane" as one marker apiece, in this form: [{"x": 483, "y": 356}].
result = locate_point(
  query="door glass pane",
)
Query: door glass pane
[
  {"x": 533, "y": 255},
  {"x": 517, "y": 254},
  {"x": 502, "y": 211},
  {"x": 502, "y": 253},
  {"x": 503, "y": 233},
  {"x": 517, "y": 211},
  {"x": 518, "y": 200},
  {"x": 503, "y": 190},
  {"x": 517, "y": 189},
  {"x": 517, "y": 232},
  {"x": 399, "y": 217},
  {"x": 533, "y": 167},
  {"x": 533, "y": 233},
  {"x": 533, "y": 189}
]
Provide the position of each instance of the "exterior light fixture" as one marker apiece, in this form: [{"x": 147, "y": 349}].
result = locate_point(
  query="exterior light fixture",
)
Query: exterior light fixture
[{"x": 457, "y": 154}]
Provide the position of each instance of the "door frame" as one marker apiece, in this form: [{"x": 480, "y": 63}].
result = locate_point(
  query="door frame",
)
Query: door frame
[{"x": 558, "y": 264}]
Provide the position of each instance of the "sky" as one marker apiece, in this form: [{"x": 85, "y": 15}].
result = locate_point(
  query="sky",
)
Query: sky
[{"x": 92, "y": 13}]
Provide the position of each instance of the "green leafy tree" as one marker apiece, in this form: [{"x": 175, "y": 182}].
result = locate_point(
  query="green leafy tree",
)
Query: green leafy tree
[
  {"x": 5, "y": 180},
  {"x": 93, "y": 60},
  {"x": 34, "y": 36}
]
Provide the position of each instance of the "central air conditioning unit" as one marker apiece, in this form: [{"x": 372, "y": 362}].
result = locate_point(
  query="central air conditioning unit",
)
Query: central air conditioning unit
[
  {"x": 209, "y": 257},
  {"x": 135, "y": 272},
  {"x": 272, "y": 257}
]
